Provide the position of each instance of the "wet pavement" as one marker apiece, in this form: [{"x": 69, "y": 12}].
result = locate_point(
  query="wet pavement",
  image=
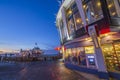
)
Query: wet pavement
[{"x": 38, "y": 71}]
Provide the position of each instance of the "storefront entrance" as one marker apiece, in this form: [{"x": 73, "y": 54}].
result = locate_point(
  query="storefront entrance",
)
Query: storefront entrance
[{"x": 111, "y": 54}]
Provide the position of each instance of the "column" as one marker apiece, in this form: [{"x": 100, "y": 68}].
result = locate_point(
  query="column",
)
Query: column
[
  {"x": 100, "y": 63},
  {"x": 59, "y": 29},
  {"x": 64, "y": 21},
  {"x": 63, "y": 52}
]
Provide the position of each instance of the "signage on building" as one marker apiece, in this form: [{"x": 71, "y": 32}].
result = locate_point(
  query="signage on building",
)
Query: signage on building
[{"x": 91, "y": 60}]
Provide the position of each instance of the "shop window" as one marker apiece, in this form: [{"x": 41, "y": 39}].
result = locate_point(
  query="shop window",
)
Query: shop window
[
  {"x": 69, "y": 52},
  {"x": 111, "y": 54},
  {"x": 114, "y": 7},
  {"x": 81, "y": 56},
  {"x": 93, "y": 11},
  {"x": 68, "y": 55},
  {"x": 74, "y": 51},
  {"x": 89, "y": 50},
  {"x": 74, "y": 56},
  {"x": 117, "y": 49}
]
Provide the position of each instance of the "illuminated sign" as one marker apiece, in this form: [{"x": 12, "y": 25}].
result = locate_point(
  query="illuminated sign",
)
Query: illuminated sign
[{"x": 89, "y": 50}]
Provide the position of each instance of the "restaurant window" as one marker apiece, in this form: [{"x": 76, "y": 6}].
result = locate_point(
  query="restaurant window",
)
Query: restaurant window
[
  {"x": 68, "y": 55},
  {"x": 93, "y": 11},
  {"x": 74, "y": 51},
  {"x": 81, "y": 56},
  {"x": 114, "y": 7},
  {"x": 78, "y": 21},
  {"x": 71, "y": 26},
  {"x": 74, "y": 20},
  {"x": 77, "y": 18},
  {"x": 70, "y": 21}
]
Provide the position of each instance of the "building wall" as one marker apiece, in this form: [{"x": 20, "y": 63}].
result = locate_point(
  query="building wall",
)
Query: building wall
[{"x": 100, "y": 20}]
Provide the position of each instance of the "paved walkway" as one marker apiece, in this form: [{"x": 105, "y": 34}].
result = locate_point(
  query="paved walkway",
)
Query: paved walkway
[
  {"x": 88, "y": 76},
  {"x": 40, "y": 71}
]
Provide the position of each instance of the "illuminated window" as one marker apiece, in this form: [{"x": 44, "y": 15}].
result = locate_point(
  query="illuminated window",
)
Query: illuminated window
[
  {"x": 71, "y": 26},
  {"x": 93, "y": 11},
  {"x": 74, "y": 20},
  {"x": 69, "y": 12},
  {"x": 78, "y": 21},
  {"x": 70, "y": 21},
  {"x": 114, "y": 7},
  {"x": 89, "y": 50},
  {"x": 111, "y": 54}
]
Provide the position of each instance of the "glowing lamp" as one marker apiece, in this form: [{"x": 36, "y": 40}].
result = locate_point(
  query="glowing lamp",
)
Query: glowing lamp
[
  {"x": 70, "y": 12},
  {"x": 84, "y": 6},
  {"x": 58, "y": 48},
  {"x": 78, "y": 20},
  {"x": 99, "y": 4}
]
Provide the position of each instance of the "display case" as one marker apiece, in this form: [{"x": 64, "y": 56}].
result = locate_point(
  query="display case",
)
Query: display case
[{"x": 111, "y": 57}]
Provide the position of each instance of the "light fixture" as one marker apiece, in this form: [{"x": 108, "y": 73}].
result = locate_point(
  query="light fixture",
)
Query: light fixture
[
  {"x": 98, "y": 4},
  {"x": 96, "y": 16},
  {"x": 86, "y": 39},
  {"x": 70, "y": 12},
  {"x": 87, "y": 19},
  {"x": 92, "y": 13},
  {"x": 106, "y": 34},
  {"x": 110, "y": 5},
  {"x": 78, "y": 20},
  {"x": 84, "y": 6},
  {"x": 82, "y": 22},
  {"x": 113, "y": 13}
]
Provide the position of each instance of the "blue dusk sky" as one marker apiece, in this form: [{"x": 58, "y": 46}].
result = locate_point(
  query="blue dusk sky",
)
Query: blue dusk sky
[{"x": 24, "y": 22}]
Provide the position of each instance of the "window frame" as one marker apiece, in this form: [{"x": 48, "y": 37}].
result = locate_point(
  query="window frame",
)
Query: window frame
[
  {"x": 86, "y": 2},
  {"x": 118, "y": 6}
]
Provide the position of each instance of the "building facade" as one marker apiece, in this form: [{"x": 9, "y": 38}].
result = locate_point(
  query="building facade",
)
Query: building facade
[
  {"x": 90, "y": 33},
  {"x": 35, "y": 52}
]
